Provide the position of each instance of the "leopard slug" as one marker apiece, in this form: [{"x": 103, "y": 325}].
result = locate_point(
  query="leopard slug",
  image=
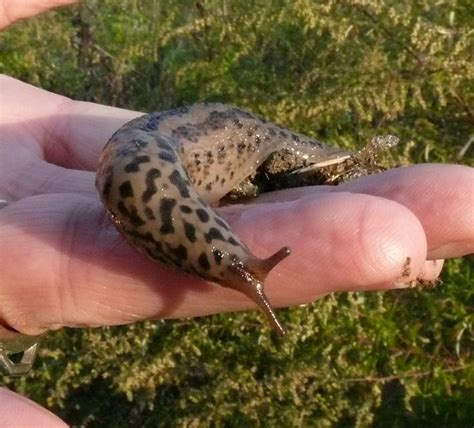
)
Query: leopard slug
[{"x": 159, "y": 175}]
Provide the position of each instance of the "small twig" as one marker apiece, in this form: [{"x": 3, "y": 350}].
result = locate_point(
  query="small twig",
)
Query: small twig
[
  {"x": 103, "y": 51},
  {"x": 465, "y": 148}
]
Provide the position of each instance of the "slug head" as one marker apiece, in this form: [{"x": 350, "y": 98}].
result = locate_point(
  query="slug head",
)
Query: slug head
[{"x": 249, "y": 277}]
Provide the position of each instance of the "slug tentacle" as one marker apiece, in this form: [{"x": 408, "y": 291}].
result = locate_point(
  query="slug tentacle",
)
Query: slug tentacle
[
  {"x": 261, "y": 267},
  {"x": 249, "y": 279},
  {"x": 159, "y": 173}
]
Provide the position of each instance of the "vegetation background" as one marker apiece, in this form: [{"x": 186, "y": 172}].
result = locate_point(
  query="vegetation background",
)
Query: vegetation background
[{"x": 340, "y": 70}]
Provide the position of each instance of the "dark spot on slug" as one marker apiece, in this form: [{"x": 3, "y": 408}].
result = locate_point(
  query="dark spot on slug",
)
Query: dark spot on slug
[
  {"x": 146, "y": 237},
  {"x": 233, "y": 241},
  {"x": 213, "y": 234},
  {"x": 203, "y": 215},
  {"x": 189, "y": 231},
  {"x": 204, "y": 261},
  {"x": 221, "y": 155},
  {"x": 168, "y": 156},
  {"x": 208, "y": 187},
  {"x": 153, "y": 121},
  {"x": 131, "y": 213},
  {"x": 164, "y": 145},
  {"x": 181, "y": 184},
  {"x": 166, "y": 208},
  {"x": 126, "y": 190},
  {"x": 151, "y": 188},
  {"x": 109, "y": 173},
  {"x": 221, "y": 223},
  {"x": 149, "y": 213},
  {"x": 180, "y": 252},
  {"x": 185, "y": 209},
  {"x": 134, "y": 166}
]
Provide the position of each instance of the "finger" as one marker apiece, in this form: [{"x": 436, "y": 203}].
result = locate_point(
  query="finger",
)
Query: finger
[
  {"x": 24, "y": 173},
  {"x": 86, "y": 274},
  {"x": 17, "y": 411},
  {"x": 69, "y": 133},
  {"x": 50, "y": 142},
  {"x": 441, "y": 196},
  {"x": 12, "y": 10}
]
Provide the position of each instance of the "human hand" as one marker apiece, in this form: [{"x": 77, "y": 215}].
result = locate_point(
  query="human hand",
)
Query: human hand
[
  {"x": 352, "y": 237},
  {"x": 358, "y": 236}
]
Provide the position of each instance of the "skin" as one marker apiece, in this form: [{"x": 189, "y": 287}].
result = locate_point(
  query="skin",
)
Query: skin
[{"x": 48, "y": 155}]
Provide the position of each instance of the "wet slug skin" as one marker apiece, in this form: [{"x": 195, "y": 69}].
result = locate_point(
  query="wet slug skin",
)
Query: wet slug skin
[{"x": 160, "y": 174}]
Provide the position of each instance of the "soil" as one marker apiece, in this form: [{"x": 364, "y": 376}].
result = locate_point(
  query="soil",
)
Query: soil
[{"x": 284, "y": 169}]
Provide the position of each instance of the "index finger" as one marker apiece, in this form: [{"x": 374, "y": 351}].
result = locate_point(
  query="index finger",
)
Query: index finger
[{"x": 70, "y": 133}]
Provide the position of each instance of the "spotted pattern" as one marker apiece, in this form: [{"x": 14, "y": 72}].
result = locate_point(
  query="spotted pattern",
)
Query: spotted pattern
[{"x": 160, "y": 174}]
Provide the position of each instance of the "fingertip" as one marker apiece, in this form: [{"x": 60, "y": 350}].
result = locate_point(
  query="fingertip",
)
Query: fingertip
[
  {"x": 393, "y": 244},
  {"x": 441, "y": 196}
]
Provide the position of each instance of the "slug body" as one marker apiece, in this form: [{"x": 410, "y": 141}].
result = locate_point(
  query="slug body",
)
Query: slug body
[{"x": 159, "y": 174}]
